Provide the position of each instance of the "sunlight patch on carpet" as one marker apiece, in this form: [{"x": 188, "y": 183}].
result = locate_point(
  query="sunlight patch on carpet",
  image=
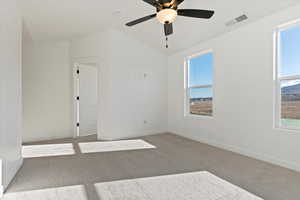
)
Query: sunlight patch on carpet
[
  {"x": 46, "y": 150},
  {"x": 122, "y": 145},
  {"x": 189, "y": 186},
  {"x": 76, "y": 192}
]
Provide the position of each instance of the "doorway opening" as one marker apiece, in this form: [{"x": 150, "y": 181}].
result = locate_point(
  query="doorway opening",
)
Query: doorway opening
[{"x": 86, "y": 99}]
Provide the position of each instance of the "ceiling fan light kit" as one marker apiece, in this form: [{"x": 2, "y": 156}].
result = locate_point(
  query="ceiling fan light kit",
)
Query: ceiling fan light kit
[
  {"x": 167, "y": 11},
  {"x": 167, "y": 16}
]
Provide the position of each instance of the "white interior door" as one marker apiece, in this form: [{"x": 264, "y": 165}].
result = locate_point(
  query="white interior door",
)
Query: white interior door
[{"x": 88, "y": 86}]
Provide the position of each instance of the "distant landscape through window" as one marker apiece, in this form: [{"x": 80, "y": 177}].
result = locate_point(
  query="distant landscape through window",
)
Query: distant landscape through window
[{"x": 289, "y": 76}]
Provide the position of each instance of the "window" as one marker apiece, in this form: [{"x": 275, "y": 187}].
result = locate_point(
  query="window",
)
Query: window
[
  {"x": 288, "y": 77},
  {"x": 199, "y": 84}
]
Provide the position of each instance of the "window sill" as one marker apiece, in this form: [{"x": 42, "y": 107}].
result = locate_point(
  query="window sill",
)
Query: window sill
[
  {"x": 292, "y": 130},
  {"x": 192, "y": 116}
]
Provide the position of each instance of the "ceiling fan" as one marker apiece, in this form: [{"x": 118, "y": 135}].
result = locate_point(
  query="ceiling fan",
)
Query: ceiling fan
[{"x": 167, "y": 11}]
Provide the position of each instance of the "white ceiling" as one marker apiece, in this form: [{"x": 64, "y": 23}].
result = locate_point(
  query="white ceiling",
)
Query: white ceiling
[{"x": 65, "y": 19}]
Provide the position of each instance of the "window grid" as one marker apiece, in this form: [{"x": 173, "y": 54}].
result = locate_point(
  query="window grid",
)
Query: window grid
[
  {"x": 279, "y": 78},
  {"x": 188, "y": 88}
]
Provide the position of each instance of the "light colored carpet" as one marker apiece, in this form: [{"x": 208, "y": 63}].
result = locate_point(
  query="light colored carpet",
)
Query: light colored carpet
[
  {"x": 123, "y": 145},
  {"x": 188, "y": 186},
  {"x": 76, "y": 192},
  {"x": 45, "y": 150},
  {"x": 173, "y": 155}
]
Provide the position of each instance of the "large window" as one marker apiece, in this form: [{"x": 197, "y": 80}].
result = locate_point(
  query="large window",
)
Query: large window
[
  {"x": 288, "y": 77},
  {"x": 199, "y": 84}
]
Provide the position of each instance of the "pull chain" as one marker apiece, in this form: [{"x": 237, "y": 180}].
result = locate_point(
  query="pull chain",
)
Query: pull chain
[{"x": 167, "y": 46}]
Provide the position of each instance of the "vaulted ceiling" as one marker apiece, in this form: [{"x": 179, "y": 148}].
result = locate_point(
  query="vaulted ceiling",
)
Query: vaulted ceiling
[{"x": 65, "y": 19}]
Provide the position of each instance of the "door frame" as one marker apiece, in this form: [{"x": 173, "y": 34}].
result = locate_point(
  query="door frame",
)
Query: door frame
[{"x": 76, "y": 62}]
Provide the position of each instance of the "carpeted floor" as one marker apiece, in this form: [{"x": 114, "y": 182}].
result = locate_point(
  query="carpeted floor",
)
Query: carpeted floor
[
  {"x": 172, "y": 155},
  {"x": 186, "y": 186}
]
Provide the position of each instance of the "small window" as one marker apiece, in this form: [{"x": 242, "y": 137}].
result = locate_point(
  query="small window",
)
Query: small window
[
  {"x": 199, "y": 85},
  {"x": 288, "y": 77}
]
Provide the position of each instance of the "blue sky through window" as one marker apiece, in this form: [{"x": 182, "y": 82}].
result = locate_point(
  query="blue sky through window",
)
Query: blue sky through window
[
  {"x": 201, "y": 73},
  {"x": 201, "y": 92},
  {"x": 290, "y": 51}
]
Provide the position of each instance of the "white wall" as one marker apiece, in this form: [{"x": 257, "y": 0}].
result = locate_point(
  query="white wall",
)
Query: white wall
[
  {"x": 10, "y": 91},
  {"x": 139, "y": 88},
  {"x": 47, "y": 91},
  {"x": 243, "y": 95},
  {"x": 126, "y": 98}
]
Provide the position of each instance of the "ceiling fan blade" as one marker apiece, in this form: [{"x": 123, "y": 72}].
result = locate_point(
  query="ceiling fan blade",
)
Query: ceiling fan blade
[
  {"x": 168, "y": 29},
  {"x": 205, "y": 14},
  {"x": 143, "y": 19},
  {"x": 153, "y": 3},
  {"x": 177, "y": 2},
  {"x": 165, "y": 1}
]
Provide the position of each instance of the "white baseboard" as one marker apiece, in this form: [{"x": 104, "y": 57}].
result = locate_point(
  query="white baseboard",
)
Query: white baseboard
[
  {"x": 255, "y": 155},
  {"x": 130, "y": 135}
]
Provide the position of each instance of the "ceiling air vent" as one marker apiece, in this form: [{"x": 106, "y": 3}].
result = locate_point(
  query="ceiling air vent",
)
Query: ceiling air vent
[{"x": 237, "y": 20}]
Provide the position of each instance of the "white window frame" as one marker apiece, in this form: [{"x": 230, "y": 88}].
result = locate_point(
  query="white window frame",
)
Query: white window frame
[
  {"x": 278, "y": 78},
  {"x": 187, "y": 112}
]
